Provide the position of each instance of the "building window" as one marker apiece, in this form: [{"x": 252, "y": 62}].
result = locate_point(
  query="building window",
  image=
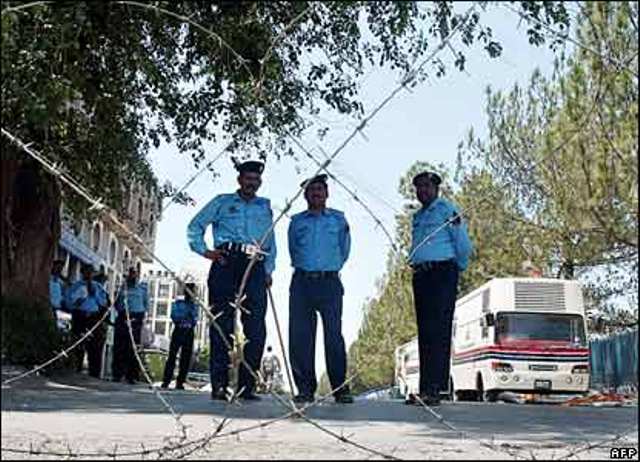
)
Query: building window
[
  {"x": 112, "y": 252},
  {"x": 152, "y": 289},
  {"x": 162, "y": 309},
  {"x": 125, "y": 261},
  {"x": 97, "y": 235},
  {"x": 164, "y": 291},
  {"x": 160, "y": 328},
  {"x": 140, "y": 209}
]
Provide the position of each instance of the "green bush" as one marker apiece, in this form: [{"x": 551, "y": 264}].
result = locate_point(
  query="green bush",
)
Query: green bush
[
  {"x": 155, "y": 365},
  {"x": 29, "y": 334}
]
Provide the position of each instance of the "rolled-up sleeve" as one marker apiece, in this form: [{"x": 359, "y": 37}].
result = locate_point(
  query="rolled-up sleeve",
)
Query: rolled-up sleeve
[{"x": 198, "y": 225}]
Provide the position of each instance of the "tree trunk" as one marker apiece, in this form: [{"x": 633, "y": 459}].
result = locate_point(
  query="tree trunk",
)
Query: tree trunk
[{"x": 30, "y": 225}]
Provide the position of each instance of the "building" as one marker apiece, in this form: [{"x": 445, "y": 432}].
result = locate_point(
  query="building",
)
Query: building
[
  {"x": 108, "y": 247},
  {"x": 163, "y": 290}
]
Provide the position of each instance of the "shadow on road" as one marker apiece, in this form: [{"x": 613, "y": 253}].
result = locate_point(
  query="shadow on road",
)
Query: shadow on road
[{"x": 79, "y": 393}]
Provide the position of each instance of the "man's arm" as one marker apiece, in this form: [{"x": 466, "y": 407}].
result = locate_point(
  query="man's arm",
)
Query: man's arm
[
  {"x": 270, "y": 246},
  {"x": 198, "y": 225},
  {"x": 345, "y": 241},
  {"x": 291, "y": 236},
  {"x": 458, "y": 232}
]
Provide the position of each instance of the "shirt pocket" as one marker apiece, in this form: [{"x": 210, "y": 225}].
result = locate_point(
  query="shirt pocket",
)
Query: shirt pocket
[{"x": 302, "y": 235}]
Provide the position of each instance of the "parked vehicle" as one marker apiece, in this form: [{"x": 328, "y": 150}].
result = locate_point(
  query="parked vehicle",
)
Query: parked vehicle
[{"x": 525, "y": 335}]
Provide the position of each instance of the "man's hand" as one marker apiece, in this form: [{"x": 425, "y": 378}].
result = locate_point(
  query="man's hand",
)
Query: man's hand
[
  {"x": 268, "y": 281},
  {"x": 215, "y": 255},
  {"x": 455, "y": 219}
]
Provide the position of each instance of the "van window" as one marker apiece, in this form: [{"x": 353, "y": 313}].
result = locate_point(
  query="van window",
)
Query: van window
[{"x": 567, "y": 328}]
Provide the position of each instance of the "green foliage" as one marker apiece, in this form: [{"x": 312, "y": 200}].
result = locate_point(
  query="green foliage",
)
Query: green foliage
[
  {"x": 154, "y": 363},
  {"x": 29, "y": 334},
  {"x": 105, "y": 81}
]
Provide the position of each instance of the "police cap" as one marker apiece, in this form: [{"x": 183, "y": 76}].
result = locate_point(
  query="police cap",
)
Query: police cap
[
  {"x": 322, "y": 178},
  {"x": 431, "y": 176},
  {"x": 250, "y": 166}
]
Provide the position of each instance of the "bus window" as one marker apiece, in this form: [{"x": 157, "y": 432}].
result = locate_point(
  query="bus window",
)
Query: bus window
[{"x": 567, "y": 328}]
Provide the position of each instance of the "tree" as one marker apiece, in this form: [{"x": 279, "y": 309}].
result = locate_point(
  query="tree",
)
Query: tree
[
  {"x": 565, "y": 150},
  {"x": 106, "y": 81}
]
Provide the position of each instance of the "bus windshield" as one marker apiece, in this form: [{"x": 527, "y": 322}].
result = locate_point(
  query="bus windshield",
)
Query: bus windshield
[{"x": 561, "y": 328}]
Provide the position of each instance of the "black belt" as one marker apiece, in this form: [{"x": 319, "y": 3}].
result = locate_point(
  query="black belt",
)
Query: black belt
[
  {"x": 239, "y": 248},
  {"x": 316, "y": 274},
  {"x": 433, "y": 265}
]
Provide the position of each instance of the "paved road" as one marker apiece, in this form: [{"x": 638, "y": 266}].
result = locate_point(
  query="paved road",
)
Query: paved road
[{"x": 84, "y": 414}]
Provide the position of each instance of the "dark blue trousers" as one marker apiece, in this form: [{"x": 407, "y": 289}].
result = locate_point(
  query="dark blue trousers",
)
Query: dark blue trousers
[
  {"x": 224, "y": 281},
  {"x": 306, "y": 296},
  {"x": 181, "y": 339},
  {"x": 435, "y": 294}
]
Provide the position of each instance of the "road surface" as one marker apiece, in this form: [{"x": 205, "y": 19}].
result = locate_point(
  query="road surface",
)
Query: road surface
[{"x": 76, "y": 414}]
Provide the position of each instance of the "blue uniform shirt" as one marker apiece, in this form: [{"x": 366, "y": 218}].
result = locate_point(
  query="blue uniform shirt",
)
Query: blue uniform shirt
[
  {"x": 234, "y": 220},
  {"x": 88, "y": 303},
  {"x": 449, "y": 242},
  {"x": 56, "y": 291},
  {"x": 319, "y": 242},
  {"x": 137, "y": 298},
  {"x": 184, "y": 314}
]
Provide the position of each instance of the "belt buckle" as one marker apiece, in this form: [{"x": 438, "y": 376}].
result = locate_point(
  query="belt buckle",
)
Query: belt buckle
[{"x": 251, "y": 250}]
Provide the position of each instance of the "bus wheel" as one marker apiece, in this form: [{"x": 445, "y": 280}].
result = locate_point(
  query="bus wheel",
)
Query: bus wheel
[{"x": 489, "y": 396}]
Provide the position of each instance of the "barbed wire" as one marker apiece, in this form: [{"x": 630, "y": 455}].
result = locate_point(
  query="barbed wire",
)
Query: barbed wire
[{"x": 97, "y": 204}]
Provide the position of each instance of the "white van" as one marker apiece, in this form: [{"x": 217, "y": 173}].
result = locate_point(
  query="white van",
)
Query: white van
[{"x": 526, "y": 335}]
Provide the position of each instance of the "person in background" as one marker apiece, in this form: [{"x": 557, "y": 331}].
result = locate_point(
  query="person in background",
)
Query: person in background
[
  {"x": 57, "y": 287},
  {"x": 270, "y": 368},
  {"x": 89, "y": 302},
  {"x": 132, "y": 296},
  {"x": 184, "y": 314}
]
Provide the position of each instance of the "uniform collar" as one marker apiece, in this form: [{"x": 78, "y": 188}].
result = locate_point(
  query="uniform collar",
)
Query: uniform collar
[
  {"x": 431, "y": 205},
  {"x": 238, "y": 198},
  {"x": 309, "y": 213}
]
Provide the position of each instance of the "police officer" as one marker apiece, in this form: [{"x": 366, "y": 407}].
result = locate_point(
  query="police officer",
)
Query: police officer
[
  {"x": 89, "y": 300},
  {"x": 319, "y": 244},
  {"x": 239, "y": 221},
  {"x": 184, "y": 314},
  {"x": 440, "y": 250},
  {"x": 135, "y": 295},
  {"x": 270, "y": 368},
  {"x": 57, "y": 288}
]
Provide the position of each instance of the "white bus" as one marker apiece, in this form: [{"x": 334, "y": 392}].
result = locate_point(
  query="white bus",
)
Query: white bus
[{"x": 526, "y": 335}]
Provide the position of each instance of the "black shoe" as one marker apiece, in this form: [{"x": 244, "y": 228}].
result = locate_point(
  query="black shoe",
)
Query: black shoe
[
  {"x": 219, "y": 394},
  {"x": 430, "y": 400},
  {"x": 344, "y": 398},
  {"x": 179, "y": 386},
  {"x": 131, "y": 381},
  {"x": 164, "y": 385},
  {"x": 301, "y": 399},
  {"x": 250, "y": 397},
  {"x": 116, "y": 379}
]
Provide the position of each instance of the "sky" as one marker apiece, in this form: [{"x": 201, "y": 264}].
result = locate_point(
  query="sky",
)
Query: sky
[{"x": 425, "y": 124}]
